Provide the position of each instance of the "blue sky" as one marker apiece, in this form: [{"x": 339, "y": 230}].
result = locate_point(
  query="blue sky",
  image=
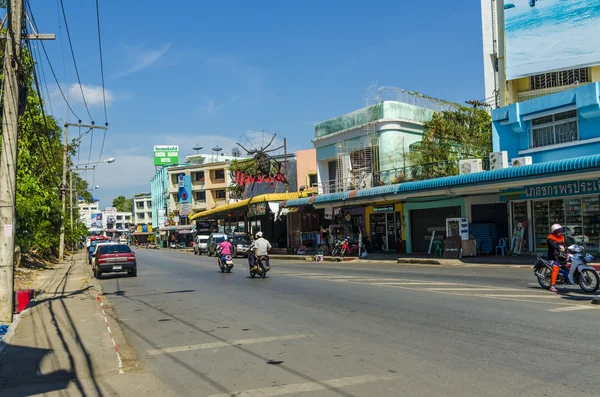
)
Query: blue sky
[{"x": 187, "y": 72}]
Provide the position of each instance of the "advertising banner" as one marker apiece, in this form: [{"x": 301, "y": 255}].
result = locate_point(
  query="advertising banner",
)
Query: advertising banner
[
  {"x": 549, "y": 35},
  {"x": 96, "y": 220},
  {"x": 184, "y": 182},
  {"x": 166, "y": 155},
  {"x": 110, "y": 217}
]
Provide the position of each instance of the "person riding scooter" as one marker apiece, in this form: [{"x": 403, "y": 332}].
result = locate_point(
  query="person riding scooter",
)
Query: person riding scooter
[
  {"x": 260, "y": 247},
  {"x": 557, "y": 254},
  {"x": 223, "y": 250}
]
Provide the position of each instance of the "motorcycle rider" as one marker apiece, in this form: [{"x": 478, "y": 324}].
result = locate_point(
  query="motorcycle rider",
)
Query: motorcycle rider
[
  {"x": 556, "y": 252},
  {"x": 260, "y": 247},
  {"x": 224, "y": 249}
]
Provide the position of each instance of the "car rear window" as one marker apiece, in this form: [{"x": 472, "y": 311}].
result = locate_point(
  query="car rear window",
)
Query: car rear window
[
  {"x": 203, "y": 240},
  {"x": 241, "y": 240},
  {"x": 219, "y": 240},
  {"x": 114, "y": 249}
]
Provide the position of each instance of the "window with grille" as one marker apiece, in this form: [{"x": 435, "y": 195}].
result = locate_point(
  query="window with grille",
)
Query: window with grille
[
  {"x": 201, "y": 196},
  {"x": 220, "y": 194},
  {"x": 559, "y": 79},
  {"x": 199, "y": 176},
  {"x": 312, "y": 180},
  {"x": 554, "y": 129},
  {"x": 219, "y": 174}
]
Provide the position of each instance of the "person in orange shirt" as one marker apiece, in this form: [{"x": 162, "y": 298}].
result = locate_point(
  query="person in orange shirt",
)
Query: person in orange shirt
[{"x": 556, "y": 252}]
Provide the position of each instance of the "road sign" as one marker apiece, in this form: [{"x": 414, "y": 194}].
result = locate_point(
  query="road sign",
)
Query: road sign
[{"x": 166, "y": 155}]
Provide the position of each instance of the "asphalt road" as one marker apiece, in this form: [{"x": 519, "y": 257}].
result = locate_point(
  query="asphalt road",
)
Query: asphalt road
[{"x": 364, "y": 329}]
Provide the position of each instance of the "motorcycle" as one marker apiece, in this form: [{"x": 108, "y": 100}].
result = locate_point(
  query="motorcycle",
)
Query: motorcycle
[
  {"x": 225, "y": 262},
  {"x": 575, "y": 272},
  {"x": 343, "y": 247},
  {"x": 261, "y": 268}
]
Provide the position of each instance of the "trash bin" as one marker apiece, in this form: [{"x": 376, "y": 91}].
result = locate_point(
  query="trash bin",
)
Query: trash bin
[{"x": 23, "y": 297}]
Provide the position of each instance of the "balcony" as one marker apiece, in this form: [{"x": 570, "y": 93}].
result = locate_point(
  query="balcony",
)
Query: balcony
[{"x": 527, "y": 95}]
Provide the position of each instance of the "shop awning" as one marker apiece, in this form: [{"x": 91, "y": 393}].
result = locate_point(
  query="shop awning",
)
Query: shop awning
[
  {"x": 275, "y": 197},
  {"x": 141, "y": 233},
  {"x": 476, "y": 181}
]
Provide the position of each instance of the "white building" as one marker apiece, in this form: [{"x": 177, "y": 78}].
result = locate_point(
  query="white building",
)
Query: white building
[
  {"x": 86, "y": 210},
  {"x": 142, "y": 209}
]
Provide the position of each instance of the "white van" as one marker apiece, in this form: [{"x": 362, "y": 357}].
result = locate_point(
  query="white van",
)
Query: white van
[{"x": 200, "y": 244}]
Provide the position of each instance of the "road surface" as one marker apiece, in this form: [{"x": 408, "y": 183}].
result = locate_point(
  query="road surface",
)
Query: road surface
[{"x": 346, "y": 329}]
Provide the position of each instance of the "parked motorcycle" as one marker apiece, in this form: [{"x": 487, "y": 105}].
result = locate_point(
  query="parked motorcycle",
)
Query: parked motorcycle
[
  {"x": 575, "y": 272},
  {"x": 225, "y": 261}
]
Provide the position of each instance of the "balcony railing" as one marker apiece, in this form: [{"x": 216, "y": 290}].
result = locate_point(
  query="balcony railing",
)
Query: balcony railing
[{"x": 392, "y": 176}]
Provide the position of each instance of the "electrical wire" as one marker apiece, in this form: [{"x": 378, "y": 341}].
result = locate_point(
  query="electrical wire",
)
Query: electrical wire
[
  {"x": 102, "y": 73},
  {"x": 62, "y": 6},
  {"x": 44, "y": 81},
  {"x": 52, "y": 68}
]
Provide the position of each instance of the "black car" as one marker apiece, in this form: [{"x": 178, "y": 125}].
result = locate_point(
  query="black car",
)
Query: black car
[
  {"x": 240, "y": 244},
  {"x": 213, "y": 242}
]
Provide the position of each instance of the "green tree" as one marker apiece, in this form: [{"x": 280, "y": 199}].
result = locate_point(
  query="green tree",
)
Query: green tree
[
  {"x": 451, "y": 136},
  {"x": 123, "y": 204}
]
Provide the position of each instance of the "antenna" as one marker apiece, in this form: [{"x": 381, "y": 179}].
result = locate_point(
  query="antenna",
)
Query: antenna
[
  {"x": 216, "y": 151},
  {"x": 371, "y": 94},
  {"x": 197, "y": 148},
  {"x": 235, "y": 152}
]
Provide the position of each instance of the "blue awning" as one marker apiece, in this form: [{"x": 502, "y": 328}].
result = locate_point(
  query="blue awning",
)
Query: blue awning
[{"x": 550, "y": 168}]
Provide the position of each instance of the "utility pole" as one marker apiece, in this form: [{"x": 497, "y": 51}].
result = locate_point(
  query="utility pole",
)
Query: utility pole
[
  {"x": 61, "y": 247},
  {"x": 8, "y": 157}
]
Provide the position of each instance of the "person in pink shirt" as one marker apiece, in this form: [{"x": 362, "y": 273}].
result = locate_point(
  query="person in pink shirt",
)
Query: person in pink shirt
[{"x": 224, "y": 248}]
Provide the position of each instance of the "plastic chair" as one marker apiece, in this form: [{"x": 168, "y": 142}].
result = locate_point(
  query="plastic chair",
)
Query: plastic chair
[
  {"x": 438, "y": 247},
  {"x": 502, "y": 246}
]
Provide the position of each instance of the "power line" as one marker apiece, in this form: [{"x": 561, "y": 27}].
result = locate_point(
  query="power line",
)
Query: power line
[
  {"x": 51, "y": 68},
  {"x": 62, "y": 6},
  {"x": 40, "y": 66},
  {"x": 101, "y": 62}
]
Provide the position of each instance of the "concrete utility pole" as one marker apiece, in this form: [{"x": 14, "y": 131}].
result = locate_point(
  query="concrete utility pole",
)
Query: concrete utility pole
[
  {"x": 61, "y": 247},
  {"x": 8, "y": 157},
  {"x": 8, "y": 161}
]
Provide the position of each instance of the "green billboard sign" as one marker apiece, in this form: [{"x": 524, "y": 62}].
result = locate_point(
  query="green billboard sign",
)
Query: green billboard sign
[{"x": 166, "y": 155}]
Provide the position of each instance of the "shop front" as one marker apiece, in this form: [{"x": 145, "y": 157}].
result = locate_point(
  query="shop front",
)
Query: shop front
[
  {"x": 427, "y": 219},
  {"x": 572, "y": 204},
  {"x": 346, "y": 222},
  {"x": 385, "y": 231}
]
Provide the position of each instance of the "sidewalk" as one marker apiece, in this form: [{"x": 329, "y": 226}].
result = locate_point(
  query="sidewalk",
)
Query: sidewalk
[{"x": 62, "y": 347}]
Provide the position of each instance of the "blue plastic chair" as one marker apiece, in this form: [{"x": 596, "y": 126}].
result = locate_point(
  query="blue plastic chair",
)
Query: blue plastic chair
[
  {"x": 502, "y": 246},
  {"x": 438, "y": 246}
]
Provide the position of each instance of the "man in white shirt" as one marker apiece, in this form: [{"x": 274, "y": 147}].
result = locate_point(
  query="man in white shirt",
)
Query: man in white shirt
[{"x": 261, "y": 248}]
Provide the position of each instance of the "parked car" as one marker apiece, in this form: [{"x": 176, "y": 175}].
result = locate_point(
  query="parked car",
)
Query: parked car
[
  {"x": 213, "y": 241},
  {"x": 114, "y": 258},
  {"x": 200, "y": 243},
  {"x": 240, "y": 243},
  {"x": 95, "y": 248},
  {"x": 122, "y": 240}
]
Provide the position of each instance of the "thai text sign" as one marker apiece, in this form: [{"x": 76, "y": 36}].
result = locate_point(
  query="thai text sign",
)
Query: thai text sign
[
  {"x": 569, "y": 188},
  {"x": 166, "y": 155},
  {"x": 383, "y": 208}
]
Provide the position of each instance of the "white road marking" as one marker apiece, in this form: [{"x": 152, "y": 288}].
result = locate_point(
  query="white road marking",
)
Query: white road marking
[
  {"x": 519, "y": 296},
  {"x": 213, "y": 345},
  {"x": 491, "y": 289},
  {"x": 574, "y": 308},
  {"x": 308, "y": 386},
  {"x": 424, "y": 284}
]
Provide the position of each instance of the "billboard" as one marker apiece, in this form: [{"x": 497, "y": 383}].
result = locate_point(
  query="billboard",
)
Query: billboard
[
  {"x": 96, "y": 220},
  {"x": 549, "y": 35},
  {"x": 184, "y": 183},
  {"x": 166, "y": 155}
]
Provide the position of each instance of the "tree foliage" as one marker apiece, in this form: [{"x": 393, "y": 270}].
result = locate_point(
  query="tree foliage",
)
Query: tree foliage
[
  {"x": 39, "y": 169},
  {"x": 123, "y": 204},
  {"x": 450, "y": 136}
]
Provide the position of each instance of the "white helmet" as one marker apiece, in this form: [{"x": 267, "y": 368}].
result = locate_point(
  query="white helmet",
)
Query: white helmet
[
  {"x": 556, "y": 227},
  {"x": 258, "y": 234}
]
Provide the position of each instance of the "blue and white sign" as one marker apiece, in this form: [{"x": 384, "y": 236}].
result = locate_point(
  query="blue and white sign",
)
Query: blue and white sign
[{"x": 548, "y": 35}]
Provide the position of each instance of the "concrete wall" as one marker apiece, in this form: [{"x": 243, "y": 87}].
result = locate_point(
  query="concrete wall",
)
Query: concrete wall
[{"x": 306, "y": 163}]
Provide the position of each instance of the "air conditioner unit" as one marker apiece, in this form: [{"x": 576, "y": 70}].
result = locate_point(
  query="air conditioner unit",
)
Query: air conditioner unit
[
  {"x": 469, "y": 166},
  {"x": 519, "y": 161},
  {"x": 498, "y": 160}
]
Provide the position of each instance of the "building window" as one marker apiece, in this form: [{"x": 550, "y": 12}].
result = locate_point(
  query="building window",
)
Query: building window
[
  {"x": 201, "y": 196},
  {"x": 220, "y": 194},
  {"x": 200, "y": 176},
  {"x": 559, "y": 79},
  {"x": 219, "y": 174},
  {"x": 312, "y": 180},
  {"x": 139, "y": 204},
  {"x": 119, "y": 217},
  {"x": 554, "y": 129},
  {"x": 141, "y": 215},
  {"x": 148, "y": 204}
]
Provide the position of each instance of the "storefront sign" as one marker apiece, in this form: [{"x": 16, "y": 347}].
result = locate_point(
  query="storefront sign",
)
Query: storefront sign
[
  {"x": 242, "y": 179},
  {"x": 570, "y": 188},
  {"x": 348, "y": 216},
  {"x": 383, "y": 208},
  {"x": 185, "y": 209},
  {"x": 166, "y": 155},
  {"x": 257, "y": 209},
  {"x": 329, "y": 213}
]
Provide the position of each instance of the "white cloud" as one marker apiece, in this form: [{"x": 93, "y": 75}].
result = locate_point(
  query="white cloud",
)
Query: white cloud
[
  {"x": 145, "y": 59},
  {"x": 92, "y": 93},
  {"x": 210, "y": 106}
]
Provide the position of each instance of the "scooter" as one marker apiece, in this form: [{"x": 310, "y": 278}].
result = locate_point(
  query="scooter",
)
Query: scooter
[
  {"x": 261, "y": 268},
  {"x": 225, "y": 262},
  {"x": 575, "y": 272}
]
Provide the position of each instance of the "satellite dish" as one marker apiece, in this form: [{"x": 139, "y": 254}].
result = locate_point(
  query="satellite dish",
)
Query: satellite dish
[
  {"x": 217, "y": 149},
  {"x": 235, "y": 152}
]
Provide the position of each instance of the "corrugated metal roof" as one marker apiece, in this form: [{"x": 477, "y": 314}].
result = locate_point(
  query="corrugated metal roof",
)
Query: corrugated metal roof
[{"x": 522, "y": 172}]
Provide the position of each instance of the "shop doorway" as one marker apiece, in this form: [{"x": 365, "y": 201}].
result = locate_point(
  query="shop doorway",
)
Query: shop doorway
[
  {"x": 492, "y": 213},
  {"x": 426, "y": 221},
  {"x": 386, "y": 230}
]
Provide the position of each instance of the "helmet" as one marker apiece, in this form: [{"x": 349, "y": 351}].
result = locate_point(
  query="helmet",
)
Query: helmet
[
  {"x": 225, "y": 238},
  {"x": 258, "y": 234},
  {"x": 556, "y": 228}
]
